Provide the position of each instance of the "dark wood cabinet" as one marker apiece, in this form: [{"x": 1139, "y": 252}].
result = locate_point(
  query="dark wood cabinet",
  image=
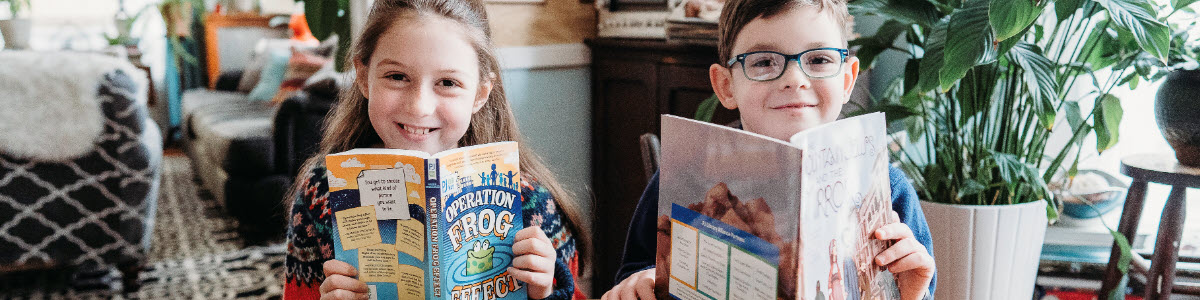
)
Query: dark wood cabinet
[{"x": 633, "y": 82}]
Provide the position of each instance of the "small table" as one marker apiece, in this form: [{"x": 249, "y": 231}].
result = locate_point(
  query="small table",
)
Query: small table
[{"x": 1160, "y": 274}]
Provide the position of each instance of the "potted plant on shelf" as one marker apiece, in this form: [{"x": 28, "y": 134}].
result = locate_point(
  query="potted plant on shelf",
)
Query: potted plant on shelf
[
  {"x": 1175, "y": 107},
  {"x": 986, "y": 84},
  {"x": 15, "y": 30}
]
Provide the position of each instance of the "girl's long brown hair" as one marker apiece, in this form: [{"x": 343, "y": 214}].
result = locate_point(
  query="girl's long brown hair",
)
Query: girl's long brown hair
[{"x": 348, "y": 126}]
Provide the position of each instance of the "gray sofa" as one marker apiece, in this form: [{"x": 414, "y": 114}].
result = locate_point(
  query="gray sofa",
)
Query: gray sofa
[{"x": 247, "y": 153}]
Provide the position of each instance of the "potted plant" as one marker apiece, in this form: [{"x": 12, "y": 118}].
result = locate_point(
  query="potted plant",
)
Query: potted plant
[
  {"x": 16, "y": 29},
  {"x": 1175, "y": 107},
  {"x": 986, "y": 84},
  {"x": 124, "y": 22}
]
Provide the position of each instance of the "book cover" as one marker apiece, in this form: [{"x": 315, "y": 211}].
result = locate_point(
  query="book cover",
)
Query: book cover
[
  {"x": 745, "y": 216},
  {"x": 420, "y": 226}
]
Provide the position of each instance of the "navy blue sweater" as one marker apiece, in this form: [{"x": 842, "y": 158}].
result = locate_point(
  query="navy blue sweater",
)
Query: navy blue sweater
[{"x": 642, "y": 240}]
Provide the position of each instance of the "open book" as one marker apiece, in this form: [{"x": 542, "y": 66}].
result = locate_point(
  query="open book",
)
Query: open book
[
  {"x": 746, "y": 216},
  {"x": 421, "y": 226}
]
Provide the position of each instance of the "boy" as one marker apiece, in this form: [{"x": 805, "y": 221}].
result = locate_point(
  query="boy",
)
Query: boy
[{"x": 775, "y": 97}]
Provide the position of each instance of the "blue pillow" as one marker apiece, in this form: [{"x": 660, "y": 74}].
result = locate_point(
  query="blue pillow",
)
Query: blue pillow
[{"x": 272, "y": 75}]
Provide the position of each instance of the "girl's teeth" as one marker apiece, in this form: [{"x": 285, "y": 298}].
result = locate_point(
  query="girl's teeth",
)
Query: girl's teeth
[{"x": 416, "y": 131}]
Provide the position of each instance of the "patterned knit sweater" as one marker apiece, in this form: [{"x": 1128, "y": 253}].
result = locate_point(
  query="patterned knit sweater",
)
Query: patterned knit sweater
[{"x": 310, "y": 242}]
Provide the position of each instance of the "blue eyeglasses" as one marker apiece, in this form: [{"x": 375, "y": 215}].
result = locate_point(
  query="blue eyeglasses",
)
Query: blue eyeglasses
[{"x": 769, "y": 65}]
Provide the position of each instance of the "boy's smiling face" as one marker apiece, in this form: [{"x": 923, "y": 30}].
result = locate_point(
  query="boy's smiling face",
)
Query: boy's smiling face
[{"x": 793, "y": 102}]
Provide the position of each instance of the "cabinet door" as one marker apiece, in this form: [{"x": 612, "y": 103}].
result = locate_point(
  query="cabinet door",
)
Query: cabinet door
[
  {"x": 624, "y": 107},
  {"x": 681, "y": 89}
]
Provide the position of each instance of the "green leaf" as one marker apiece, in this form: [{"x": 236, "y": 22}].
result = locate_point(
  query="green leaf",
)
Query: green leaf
[
  {"x": 707, "y": 108},
  {"x": 1010, "y": 17},
  {"x": 1108, "y": 121},
  {"x": 932, "y": 62},
  {"x": 1065, "y": 8},
  {"x": 975, "y": 91},
  {"x": 873, "y": 45},
  {"x": 343, "y": 48},
  {"x": 1180, "y": 4},
  {"x": 1138, "y": 17},
  {"x": 969, "y": 42},
  {"x": 1074, "y": 114},
  {"x": 321, "y": 16},
  {"x": 912, "y": 74},
  {"x": 921, "y": 12},
  {"x": 1040, "y": 78},
  {"x": 970, "y": 187}
]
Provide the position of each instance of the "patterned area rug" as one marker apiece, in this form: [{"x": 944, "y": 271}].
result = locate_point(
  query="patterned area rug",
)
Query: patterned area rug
[{"x": 196, "y": 253}]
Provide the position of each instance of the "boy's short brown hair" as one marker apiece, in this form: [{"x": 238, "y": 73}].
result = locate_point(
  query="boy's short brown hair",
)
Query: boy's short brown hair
[{"x": 737, "y": 13}]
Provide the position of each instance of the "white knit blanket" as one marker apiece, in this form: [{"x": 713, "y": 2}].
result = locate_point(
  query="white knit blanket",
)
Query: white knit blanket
[{"x": 49, "y": 108}]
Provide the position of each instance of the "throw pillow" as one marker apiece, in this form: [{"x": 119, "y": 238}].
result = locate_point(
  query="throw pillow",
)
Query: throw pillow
[
  {"x": 300, "y": 66},
  {"x": 271, "y": 76}
]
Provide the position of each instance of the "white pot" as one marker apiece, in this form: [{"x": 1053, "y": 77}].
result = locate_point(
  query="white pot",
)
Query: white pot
[
  {"x": 986, "y": 251},
  {"x": 16, "y": 33}
]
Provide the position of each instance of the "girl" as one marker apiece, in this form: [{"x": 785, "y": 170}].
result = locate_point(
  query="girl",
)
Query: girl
[{"x": 427, "y": 79}]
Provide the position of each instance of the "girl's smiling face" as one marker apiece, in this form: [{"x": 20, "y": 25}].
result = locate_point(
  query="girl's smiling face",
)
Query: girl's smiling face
[
  {"x": 422, "y": 84},
  {"x": 793, "y": 102}
]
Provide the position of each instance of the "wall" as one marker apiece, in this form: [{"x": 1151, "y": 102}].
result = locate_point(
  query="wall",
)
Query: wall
[
  {"x": 549, "y": 88},
  {"x": 550, "y": 22}
]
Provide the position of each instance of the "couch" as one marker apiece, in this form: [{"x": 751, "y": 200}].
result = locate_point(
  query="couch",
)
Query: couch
[
  {"x": 79, "y": 164},
  {"x": 248, "y": 152}
]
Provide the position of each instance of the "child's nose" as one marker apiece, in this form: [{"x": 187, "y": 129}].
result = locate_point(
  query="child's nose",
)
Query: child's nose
[
  {"x": 793, "y": 76},
  {"x": 422, "y": 102}
]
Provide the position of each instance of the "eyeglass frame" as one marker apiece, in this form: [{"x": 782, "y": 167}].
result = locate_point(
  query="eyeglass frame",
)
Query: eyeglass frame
[{"x": 741, "y": 58}]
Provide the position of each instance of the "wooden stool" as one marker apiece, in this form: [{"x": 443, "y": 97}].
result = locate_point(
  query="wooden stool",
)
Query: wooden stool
[{"x": 1160, "y": 274}]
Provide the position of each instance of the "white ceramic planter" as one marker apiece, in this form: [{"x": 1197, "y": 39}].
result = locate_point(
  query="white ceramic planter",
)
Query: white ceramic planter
[
  {"x": 16, "y": 33},
  {"x": 986, "y": 252}
]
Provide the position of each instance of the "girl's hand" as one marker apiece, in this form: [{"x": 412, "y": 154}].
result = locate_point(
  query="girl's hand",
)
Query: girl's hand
[
  {"x": 340, "y": 282},
  {"x": 907, "y": 258},
  {"x": 640, "y": 285},
  {"x": 534, "y": 264}
]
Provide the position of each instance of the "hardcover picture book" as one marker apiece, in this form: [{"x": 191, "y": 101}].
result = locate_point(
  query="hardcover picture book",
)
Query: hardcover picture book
[
  {"x": 428, "y": 226},
  {"x": 746, "y": 216}
]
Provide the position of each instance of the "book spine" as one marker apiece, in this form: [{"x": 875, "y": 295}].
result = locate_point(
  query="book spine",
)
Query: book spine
[{"x": 433, "y": 192}]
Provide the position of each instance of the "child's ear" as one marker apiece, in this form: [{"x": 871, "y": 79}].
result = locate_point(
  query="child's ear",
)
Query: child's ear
[
  {"x": 721, "y": 80},
  {"x": 360, "y": 77},
  {"x": 850, "y": 78},
  {"x": 485, "y": 92}
]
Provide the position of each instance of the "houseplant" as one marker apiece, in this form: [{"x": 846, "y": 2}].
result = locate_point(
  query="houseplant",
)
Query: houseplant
[
  {"x": 329, "y": 17},
  {"x": 986, "y": 85},
  {"x": 1175, "y": 107},
  {"x": 16, "y": 29},
  {"x": 124, "y": 22}
]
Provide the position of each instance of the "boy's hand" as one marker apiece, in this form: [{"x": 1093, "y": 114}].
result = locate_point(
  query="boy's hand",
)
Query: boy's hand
[
  {"x": 907, "y": 258},
  {"x": 640, "y": 285},
  {"x": 340, "y": 282},
  {"x": 534, "y": 263}
]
